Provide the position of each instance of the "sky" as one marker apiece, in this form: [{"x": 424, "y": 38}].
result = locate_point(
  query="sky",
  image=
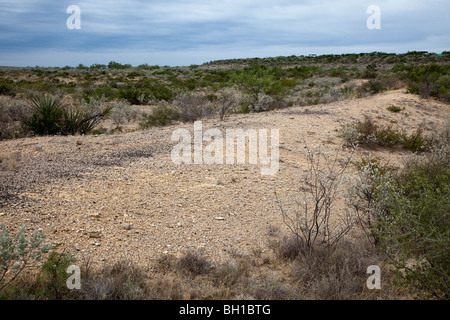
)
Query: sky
[{"x": 180, "y": 33}]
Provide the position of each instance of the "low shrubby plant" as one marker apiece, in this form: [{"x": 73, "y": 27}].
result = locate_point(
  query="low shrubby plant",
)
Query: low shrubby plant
[
  {"x": 369, "y": 134},
  {"x": 13, "y": 114},
  {"x": 312, "y": 217},
  {"x": 122, "y": 111},
  {"x": 19, "y": 252},
  {"x": 191, "y": 106},
  {"x": 406, "y": 214},
  {"x": 161, "y": 115}
]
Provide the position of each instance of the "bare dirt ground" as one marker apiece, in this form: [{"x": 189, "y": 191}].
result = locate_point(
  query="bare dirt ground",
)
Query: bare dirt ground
[{"x": 120, "y": 196}]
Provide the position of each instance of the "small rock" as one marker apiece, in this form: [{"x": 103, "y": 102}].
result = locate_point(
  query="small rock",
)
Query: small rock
[
  {"x": 94, "y": 235},
  {"x": 95, "y": 215},
  {"x": 127, "y": 226},
  {"x": 79, "y": 143}
]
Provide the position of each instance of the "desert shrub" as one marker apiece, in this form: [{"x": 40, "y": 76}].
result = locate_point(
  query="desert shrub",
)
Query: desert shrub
[
  {"x": 17, "y": 253},
  {"x": 106, "y": 92},
  {"x": 77, "y": 120},
  {"x": 430, "y": 80},
  {"x": 13, "y": 114},
  {"x": 441, "y": 138},
  {"x": 416, "y": 232},
  {"x": 121, "y": 111},
  {"x": 6, "y": 86},
  {"x": 365, "y": 195},
  {"x": 51, "y": 280},
  {"x": 132, "y": 95},
  {"x": 288, "y": 248},
  {"x": 83, "y": 119},
  {"x": 191, "y": 107},
  {"x": 116, "y": 65},
  {"x": 51, "y": 116},
  {"x": 406, "y": 215},
  {"x": 416, "y": 141},
  {"x": 394, "y": 109},
  {"x": 369, "y": 134},
  {"x": 270, "y": 286},
  {"x": 256, "y": 81},
  {"x": 264, "y": 102},
  {"x": 161, "y": 92},
  {"x": 226, "y": 101},
  {"x": 350, "y": 135},
  {"x": 312, "y": 217},
  {"x": 160, "y": 116},
  {"x": 368, "y": 88}
]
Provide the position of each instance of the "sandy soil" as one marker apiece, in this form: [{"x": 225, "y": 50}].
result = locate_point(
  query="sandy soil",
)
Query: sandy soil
[{"x": 121, "y": 196}]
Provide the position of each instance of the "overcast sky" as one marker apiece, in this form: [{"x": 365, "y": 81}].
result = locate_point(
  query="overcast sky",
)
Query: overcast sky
[{"x": 180, "y": 32}]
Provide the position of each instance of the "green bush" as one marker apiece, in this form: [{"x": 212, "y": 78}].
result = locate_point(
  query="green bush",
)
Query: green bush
[
  {"x": 415, "y": 141},
  {"x": 132, "y": 95},
  {"x": 428, "y": 80},
  {"x": 6, "y": 86},
  {"x": 160, "y": 116},
  {"x": 369, "y": 134},
  {"x": 416, "y": 233},
  {"x": 51, "y": 281},
  {"x": 407, "y": 215},
  {"x": 116, "y": 65},
  {"x": 394, "y": 109}
]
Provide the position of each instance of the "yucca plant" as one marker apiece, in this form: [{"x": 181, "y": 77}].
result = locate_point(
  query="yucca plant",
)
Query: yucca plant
[
  {"x": 77, "y": 120},
  {"x": 48, "y": 115}
]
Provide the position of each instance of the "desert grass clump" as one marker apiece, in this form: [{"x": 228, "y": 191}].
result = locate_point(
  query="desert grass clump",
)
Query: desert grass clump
[
  {"x": 121, "y": 280},
  {"x": 194, "y": 263},
  {"x": 231, "y": 273},
  {"x": 327, "y": 274}
]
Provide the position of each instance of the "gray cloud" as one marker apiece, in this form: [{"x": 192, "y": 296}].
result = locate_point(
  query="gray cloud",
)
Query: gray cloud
[{"x": 183, "y": 32}]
